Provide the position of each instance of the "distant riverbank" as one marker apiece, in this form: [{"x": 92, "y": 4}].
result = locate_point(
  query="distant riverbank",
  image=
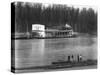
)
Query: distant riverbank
[{"x": 27, "y": 36}]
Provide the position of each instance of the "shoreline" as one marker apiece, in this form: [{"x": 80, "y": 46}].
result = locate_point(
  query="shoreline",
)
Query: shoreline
[
  {"x": 58, "y": 66},
  {"x": 48, "y": 68},
  {"x": 73, "y": 36}
]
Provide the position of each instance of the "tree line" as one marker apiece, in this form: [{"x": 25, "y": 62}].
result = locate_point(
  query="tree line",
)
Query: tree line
[{"x": 54, "y": 16}]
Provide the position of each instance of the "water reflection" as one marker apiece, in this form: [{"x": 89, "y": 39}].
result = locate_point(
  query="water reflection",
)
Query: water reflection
[{"x": 37, "y": 52}]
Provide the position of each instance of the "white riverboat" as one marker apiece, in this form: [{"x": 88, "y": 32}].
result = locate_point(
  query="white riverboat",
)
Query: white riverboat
[{"x": 39, "y": 31}]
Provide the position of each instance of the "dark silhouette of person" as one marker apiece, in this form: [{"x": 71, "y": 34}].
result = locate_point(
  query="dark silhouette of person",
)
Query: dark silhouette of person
[
  {"x": 72, "y": 58},
  {"x": 78, "y": 59},
  {"x": 68, "y": 58}
]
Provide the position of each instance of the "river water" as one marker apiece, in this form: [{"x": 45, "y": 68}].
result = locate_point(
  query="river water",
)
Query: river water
[{"x": 40, "y": 52}]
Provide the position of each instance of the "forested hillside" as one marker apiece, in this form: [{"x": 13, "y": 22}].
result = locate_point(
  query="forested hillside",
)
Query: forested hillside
[{"x": 26, "y": 14}]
